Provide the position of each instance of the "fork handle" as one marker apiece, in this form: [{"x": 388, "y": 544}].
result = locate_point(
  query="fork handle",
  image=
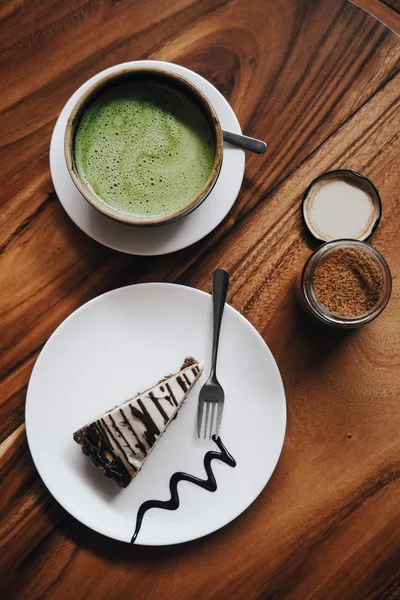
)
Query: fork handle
[{"x": 220, "y": 282}]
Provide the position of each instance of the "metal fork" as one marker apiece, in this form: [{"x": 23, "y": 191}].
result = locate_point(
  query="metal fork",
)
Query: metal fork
[{"x": 211, "y": 394}]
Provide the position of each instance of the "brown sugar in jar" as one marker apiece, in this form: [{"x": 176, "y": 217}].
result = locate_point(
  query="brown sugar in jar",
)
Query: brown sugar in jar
[{"x": 346, "y": 283}]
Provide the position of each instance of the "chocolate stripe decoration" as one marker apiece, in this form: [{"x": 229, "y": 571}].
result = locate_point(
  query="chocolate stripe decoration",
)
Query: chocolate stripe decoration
[
  {"x": 104, "y": 435},
  {"x": 168, "y": 399},
  {"x": 186, "y": 379},
  {"x": 100, "y": 433},
  {"x": 118, "y": 430},
  {"x": 181, "y": 383},
  {"x": 159, "y": 407},
  {"x": 139, "y": 444},
  {"x": 151, "y": 428},
  {"x": 171, "y": 395},
  {"x": 208, "y": 484},
  {"x": 110, "y": 433}
]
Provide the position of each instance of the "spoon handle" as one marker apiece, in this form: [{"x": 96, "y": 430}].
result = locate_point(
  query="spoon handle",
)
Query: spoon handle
[{"x": 247, "y": 143}]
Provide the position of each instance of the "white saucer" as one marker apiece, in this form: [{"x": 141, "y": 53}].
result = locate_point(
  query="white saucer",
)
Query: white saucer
[
  {"x": 121, "y": 343},
  {"x": 160, "y": 240}
]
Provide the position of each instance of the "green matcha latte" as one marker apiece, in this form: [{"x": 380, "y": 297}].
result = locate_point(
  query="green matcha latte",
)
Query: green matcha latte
[{"x": 144, "y": 148}]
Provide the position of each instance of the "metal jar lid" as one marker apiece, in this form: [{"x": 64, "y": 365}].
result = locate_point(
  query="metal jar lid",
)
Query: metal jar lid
[{"x": 341, "y": 204}]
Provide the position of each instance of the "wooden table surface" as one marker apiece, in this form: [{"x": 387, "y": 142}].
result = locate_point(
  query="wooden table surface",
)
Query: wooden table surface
[{"x": 318, "y": 80}]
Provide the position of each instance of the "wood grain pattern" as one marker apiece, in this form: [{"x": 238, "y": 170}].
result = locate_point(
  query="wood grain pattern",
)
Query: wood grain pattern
[
  {"x": 386, "y": 11},
  {"x": 319, "y": 81}
]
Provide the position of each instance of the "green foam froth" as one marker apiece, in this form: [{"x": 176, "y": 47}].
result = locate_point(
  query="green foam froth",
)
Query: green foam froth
[{"x": 144, "y": 149}]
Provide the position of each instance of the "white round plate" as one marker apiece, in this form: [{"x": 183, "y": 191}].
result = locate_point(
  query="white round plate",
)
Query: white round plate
[
  {"x": 158, "y": 240},
  {"x": 121, "y": 343}
]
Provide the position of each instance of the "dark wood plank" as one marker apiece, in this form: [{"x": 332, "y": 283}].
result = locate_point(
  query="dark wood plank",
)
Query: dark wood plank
[{"x": 318, "y": 81}]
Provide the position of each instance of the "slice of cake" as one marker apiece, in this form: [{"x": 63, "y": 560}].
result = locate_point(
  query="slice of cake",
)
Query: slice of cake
[{"x": 120, "y": 440}]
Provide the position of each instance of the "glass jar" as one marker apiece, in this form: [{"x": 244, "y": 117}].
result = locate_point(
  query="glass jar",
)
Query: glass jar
[{"x": 318, "y": 310}]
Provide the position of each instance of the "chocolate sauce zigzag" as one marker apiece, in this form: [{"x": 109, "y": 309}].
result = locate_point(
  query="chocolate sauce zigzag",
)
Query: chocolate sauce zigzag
[
  {"x": 209, "y": 484},
  {"x": 119, "y": 441}
]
